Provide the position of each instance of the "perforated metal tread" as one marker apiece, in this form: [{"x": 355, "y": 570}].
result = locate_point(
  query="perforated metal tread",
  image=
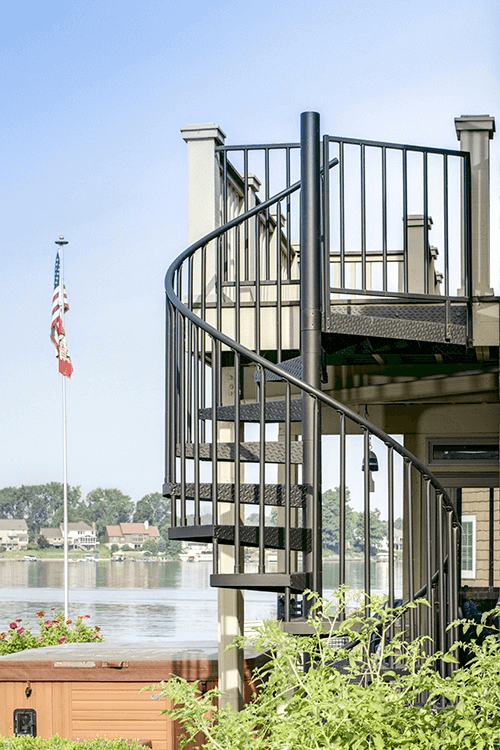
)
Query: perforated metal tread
[
  {"x": 293, "y": 366},
  {"x": 274, "y": 411},
  {"x": 249, "y": 452},
  {"x": 274, "y": 494},
  {"x": 274, "y": 536},
  {"x": 409, "y": 322},
  {"x": 277, "y": 582}
]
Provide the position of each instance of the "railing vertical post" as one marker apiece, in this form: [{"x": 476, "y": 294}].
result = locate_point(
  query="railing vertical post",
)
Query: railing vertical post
[{"x": 310, "y": 333}]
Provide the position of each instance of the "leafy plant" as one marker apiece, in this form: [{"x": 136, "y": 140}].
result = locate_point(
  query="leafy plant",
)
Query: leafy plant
[
  {"x": 52, "y": 630},
  {"x": 58, "y": 743},
  {"x": 376, "y": 691}
]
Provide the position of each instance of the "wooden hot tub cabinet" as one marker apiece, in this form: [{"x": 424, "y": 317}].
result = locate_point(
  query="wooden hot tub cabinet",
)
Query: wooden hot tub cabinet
[{"x": 86, "y": 690}]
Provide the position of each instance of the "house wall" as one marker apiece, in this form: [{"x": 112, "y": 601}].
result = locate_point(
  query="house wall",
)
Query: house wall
[
  {"x": 476, "y": 505},
  {"x": 14, "y": 539}
]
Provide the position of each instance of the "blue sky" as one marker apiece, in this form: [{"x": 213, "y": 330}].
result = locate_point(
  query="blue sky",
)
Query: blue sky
[{"x": 93, "y": 95}]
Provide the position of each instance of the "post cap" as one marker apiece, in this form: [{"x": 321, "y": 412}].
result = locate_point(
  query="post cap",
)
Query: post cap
[
  {"x": 206, "y": 132},
  {"x": 475, "y": 122}
]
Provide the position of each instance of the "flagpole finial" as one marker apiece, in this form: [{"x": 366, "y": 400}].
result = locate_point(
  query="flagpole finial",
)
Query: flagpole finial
[{"x": 61, "y": 241}]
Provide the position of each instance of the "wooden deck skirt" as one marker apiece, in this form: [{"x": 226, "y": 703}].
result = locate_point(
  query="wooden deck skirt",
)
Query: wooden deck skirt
[{"x": 84, "y": 690}]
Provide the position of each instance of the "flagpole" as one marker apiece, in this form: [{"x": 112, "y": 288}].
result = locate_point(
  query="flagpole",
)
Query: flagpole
[{"x": 61, "y": 242}]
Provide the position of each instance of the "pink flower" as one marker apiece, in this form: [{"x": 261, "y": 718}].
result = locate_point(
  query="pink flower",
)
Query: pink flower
[
  {"x": 48, "y": 623},
  {"x": 20, "y": 631},
  {"x": 68, "y": 622},
  {"x": 19, "y": 619},
  {"x": 13, "y": 625},
  {"x": 40, "y": 639},
  {"x": 62, "y": 639}
]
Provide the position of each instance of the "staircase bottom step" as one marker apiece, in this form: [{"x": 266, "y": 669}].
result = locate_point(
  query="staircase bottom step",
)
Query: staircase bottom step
[{"x": 277, "y": 582}]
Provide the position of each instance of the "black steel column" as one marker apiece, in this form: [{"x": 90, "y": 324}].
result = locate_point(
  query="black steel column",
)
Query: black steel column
[{"x": 310, "y": 333}]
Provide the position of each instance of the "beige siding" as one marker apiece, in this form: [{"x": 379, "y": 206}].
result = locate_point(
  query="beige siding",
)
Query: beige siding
[{"x": 476, "y": 502}]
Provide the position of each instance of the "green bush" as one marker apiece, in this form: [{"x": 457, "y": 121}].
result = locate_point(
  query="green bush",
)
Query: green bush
[
  {"x": 352, "y": 698},
  {"x": 57, "y": 743},
  {"x": 52, "y": 630}
]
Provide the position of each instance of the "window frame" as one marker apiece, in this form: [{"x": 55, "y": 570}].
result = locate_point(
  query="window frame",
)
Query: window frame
[{"x": 469, "y": 574}]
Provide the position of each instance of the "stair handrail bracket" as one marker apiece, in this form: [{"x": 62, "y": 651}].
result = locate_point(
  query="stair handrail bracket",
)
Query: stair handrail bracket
[{"x": 238, "y": 396}]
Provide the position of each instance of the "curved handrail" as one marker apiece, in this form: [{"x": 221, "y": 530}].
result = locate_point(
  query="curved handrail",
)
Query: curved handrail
[{"x": 302, "y": 385}]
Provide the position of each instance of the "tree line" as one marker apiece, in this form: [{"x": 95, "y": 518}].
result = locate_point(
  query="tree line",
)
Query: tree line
[{"x": 42, "y": 506}]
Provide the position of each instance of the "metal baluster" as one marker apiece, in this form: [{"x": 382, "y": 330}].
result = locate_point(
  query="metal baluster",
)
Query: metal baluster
[
  {"x": 390, "y": 521},
  {"x": 262, "y": 471},
  {"x": 237, "y": 467},
  {"x": 288, "y": 214},
  {"x": 189, "y": 353},
  {"x": 326, "y": 230},
  {"x": 246, "y": 249},
  {"x": 427, "y": 255},
  {"x": 203, "y": 357},
  {"x": 278, "y": 287},
  {"x": 428, "y": 559},
  {"x": 363, "y": 216},
  {"x": 288, "y": 510},
  {"x": 405, "y": 221},
  {"x": 216, "y": 375},
  {"x": 257, "y": 284},
  {"x": 342, "y": 501},
  {"x": 441, "y": 581},
  {"x": 196, "y": 427},
  {"x": 267, "y": 217},
  {"x": 408, "y": 514},
  {"x": 447, "y": 307},
  {"x": 342, "y": 215},
  {"x": 384, "y": 219},
  {"x": 366, "y": 510}
]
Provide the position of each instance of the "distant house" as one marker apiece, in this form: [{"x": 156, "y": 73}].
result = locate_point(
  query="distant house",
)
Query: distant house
[
  {"x": 133, "y": 534},
  {"x": 54, "y": 536},
  {"x": 13, "y": 533},
  {"x": 80, "y": 536}
]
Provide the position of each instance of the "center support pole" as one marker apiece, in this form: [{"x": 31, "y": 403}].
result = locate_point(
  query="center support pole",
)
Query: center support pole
[{"x": 310, "y": 335}]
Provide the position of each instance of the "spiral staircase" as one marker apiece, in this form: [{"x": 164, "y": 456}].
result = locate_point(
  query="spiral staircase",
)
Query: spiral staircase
[{"x": 322, "y": 267}]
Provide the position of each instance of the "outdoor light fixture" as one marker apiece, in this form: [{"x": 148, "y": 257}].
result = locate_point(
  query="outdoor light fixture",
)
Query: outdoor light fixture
[{"x": 372, "y": 462}]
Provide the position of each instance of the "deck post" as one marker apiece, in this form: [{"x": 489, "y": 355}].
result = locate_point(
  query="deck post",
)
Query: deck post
[
  {"x": 204, "y": 215},
  {"x": 474, "y": 133},
  {"x": 310, "y": 333}
]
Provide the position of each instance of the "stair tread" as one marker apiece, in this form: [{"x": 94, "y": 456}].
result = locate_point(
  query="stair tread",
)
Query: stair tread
[
  {"x": 293, "y": 366},
  {"x": 275, "y": 411},
  {"x": 249, "y": 452},
  {"x": 274, "y": 536},
  {"x": 274, "y": 494},
  {"x": 277, "y": 582},
  {"x": 407, "y": 322}
]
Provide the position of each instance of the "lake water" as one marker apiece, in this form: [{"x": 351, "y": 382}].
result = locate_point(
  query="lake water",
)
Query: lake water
[{"x": 142, "y": 601}]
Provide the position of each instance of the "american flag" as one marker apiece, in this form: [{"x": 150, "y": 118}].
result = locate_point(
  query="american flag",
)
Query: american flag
[{"x": 57, "y": 333}]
